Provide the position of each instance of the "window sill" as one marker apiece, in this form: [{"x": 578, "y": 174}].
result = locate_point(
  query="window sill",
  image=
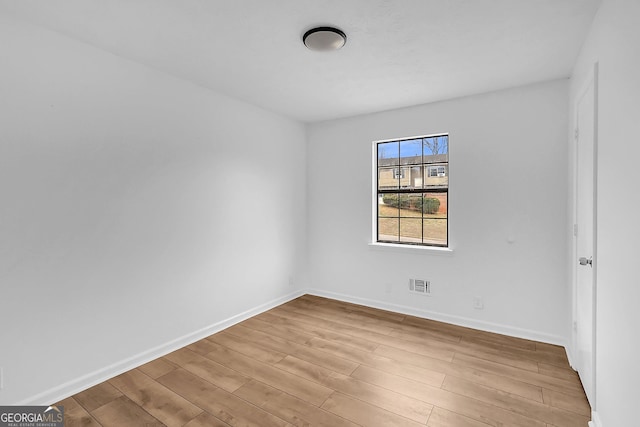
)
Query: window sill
[{"x": 391, "y": 247}]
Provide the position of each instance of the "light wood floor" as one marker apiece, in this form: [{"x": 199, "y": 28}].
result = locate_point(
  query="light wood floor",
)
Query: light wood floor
[{"x": 315, "y": 361}]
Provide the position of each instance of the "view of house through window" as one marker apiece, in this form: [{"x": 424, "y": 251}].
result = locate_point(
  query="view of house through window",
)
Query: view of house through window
[{"x": 412, "y": 190}]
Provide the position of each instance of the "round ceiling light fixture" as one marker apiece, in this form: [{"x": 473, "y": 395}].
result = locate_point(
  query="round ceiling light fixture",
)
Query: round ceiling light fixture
[{"x": 324, "y": 38}]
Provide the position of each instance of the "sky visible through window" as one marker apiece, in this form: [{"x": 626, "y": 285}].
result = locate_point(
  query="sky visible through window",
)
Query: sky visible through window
[{"x": 413, "y": 147}]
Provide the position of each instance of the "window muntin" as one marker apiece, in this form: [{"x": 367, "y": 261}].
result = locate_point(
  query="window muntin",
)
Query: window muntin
[{"x": 412, "y": 197}]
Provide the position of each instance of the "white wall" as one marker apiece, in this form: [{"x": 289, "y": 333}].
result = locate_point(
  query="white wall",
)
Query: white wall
[
  {"x": 135, "y": 209},
  {"x": 613, "y": 43},
  {"x": 508, "y": 157}
]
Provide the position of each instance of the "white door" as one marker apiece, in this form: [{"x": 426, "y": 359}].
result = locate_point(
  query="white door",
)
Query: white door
[{"x": 586, "y": 108}]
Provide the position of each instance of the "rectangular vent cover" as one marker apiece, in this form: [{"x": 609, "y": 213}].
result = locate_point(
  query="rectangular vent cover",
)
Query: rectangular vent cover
[{"x": 420, "y": 286}]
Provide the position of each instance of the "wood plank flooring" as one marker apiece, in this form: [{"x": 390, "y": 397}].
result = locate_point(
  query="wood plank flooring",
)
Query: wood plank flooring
[{"x": 319, "y": 362}]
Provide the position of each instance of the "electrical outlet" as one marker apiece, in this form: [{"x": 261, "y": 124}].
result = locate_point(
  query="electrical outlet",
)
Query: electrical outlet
[
  {"x": 478, "y": 303},
  {"x": 1, "y": 378},
  {"x": 291, "y": 281}
]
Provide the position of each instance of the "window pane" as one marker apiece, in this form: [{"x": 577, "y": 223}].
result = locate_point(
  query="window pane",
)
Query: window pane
[
  {"x": 388, "y": 153},
  {"x": 436, "y": 145},
  {"x": 388, "y": 229},
  {"x": 388, "y": 205},
  {"x": 434, "y": 207},
  {"x": 411, "y": 205},
  {"x": 388, "y": 178},
  {"x": 436, "y": 176},
  {"x": 396, "y": 201},
  {"x": 411, "y": 152},
  {"x": 411, "y": 230},
  {"x": 435, "y": 231},
  {"x": 411, "y": 177}
]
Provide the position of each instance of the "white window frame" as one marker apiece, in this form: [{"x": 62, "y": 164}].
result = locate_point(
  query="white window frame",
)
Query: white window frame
[{"x": 405, "y": 247}]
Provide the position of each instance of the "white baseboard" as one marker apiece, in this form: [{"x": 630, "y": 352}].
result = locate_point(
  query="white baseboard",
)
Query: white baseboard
[
  {"x": 569, "y": 351},
  {"x": 595, "y": 420},
  {"x": 447, "y": 318},
  {"x": 77, "y": 385}
]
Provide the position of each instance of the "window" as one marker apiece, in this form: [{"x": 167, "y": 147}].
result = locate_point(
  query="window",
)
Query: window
[
  {"x": 436, "y": 171},
  {"x": 412, "y": 188},
  {"x": 398, "y": 173}
]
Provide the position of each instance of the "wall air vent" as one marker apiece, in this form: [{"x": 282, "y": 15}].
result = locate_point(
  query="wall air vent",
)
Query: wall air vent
[{"x": 420, "y": 286}]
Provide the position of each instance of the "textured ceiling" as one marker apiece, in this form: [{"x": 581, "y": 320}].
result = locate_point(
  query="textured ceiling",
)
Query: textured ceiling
[{"x": 399, "y": 52}]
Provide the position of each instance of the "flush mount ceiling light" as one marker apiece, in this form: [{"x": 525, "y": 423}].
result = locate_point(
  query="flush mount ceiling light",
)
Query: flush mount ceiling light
[{"x": 324, "y": 38}]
